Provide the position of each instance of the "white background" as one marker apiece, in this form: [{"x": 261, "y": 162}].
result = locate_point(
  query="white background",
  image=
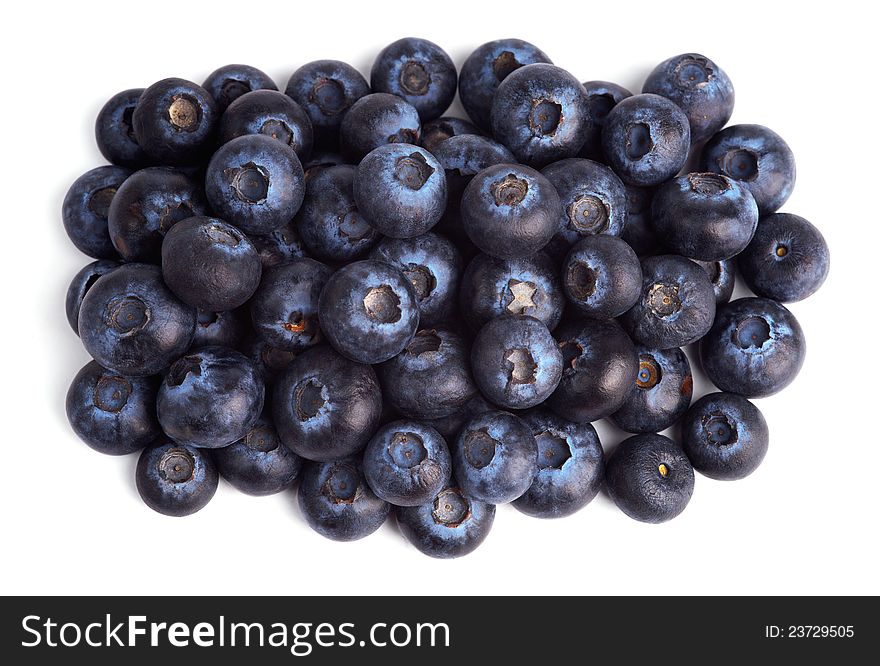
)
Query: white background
[{"x": 806, "y": 522}]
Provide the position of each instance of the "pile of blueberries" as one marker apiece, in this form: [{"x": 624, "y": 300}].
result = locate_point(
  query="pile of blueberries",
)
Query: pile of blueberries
[{"x": 421, "y": 315}]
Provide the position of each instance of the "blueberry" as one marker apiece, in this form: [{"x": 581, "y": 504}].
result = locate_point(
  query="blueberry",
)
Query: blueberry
[
  {"x": 646, "y": 139},
  {"x": 284, "y": 309},
  {"x": 571, "y": 466},
  {"x": 176, "y": 479},
  {"x": 230, "y": 82},
  {"x": 400, "y": 189},
  {"x": 131, "y": 323},
  {"x": 255, "y": 183},
  {"x": 433, "y": 265},
  {"x": 270, "y": 361},
  {"x": 495, "y": 457},
  {"x": 758, "y": 158},
  {"x": 209, "y": 264},
  {"x": 326, "y": 89},
  {"x": 210, "y": 397},
  {"x": 704, "y": 216},
  {"x": 541, "y": 113},
  {"x": 602, "y": 276},
  {"x": 510, "y": 211},
  {"x": 226, "y": 329},
  {"x": 175, "y": 122},
  {"x": 325, "y": 406},
  {"x": 755, "y": 348},
  {"x": 80, "y": 285},
  {"x": 407, "y": 463},
  {"x": 699, "y": 87},
  {"x": 375, "y": 120},
  {"x": 279, "y": 245},
  {"x": 86, "y": 208},
  {"x": 336, "y": 501},
  {"x": 639, "y": 230},
  {"x": 486, "y": 68},
  {"x": 320, "y": 160},
  {"x": 493, "y": 287},
  {"x": 146, "y": 206},
  {"x": 676, "y": 306},
  {"x": 649, "y": 478},
  {"x": 420, "y": 72},
  {"x": 451, "y": 525},
  {"x": 725, "y": 436},
  {"x": 515, "y": 361},
  {"x": 114, "y": 132},
  {"x": 787, "y": 260},
  {"x": 450, "y": 426},
  {"x": 602, "y": 96},
  {"x": 430, "y": 378},
  {"x": 593, "y": 199},
  {"x": 722, "y": 275},
  {"x": 369, "y": 311},
  {"x": 258, "y": 463},
  {"x": 663, "y": 390},
  {"x": 111, "y": 413},
  {"x": 271, "y": 113},
  {"x": 600, "y": 367},
  {"x": 437, "y": 131},
  {"x": 329, "y": 222}
]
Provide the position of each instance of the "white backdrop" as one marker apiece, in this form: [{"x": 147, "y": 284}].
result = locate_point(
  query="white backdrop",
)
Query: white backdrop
[{"x": 805, "y": 522}]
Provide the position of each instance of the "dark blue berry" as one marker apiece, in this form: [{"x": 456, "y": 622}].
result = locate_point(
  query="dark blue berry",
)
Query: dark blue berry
[
  {"x": 602, "y": 276},
  {"x": 375, "y": 120},
  {"x": 114, "y": 132},
  {"x": 663, "y": 390},
  {"x": 80, "y": 285},
  {"x": 176, "y": 479},
  {"x": 230, "y": 82},
  {"x": 273, "y": 114},
  {"x": 86, "y": 208}
]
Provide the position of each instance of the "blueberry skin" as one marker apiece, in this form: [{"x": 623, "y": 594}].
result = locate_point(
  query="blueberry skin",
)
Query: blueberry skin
[
  {"x": 515, "y": 361},
  {"x": 495, "y": 457},
  {"x": 270, "y": 361},
  {"x": 437, "y": 131},
  {"x": 175, "y": 122},
  {"x": 602, "y": 276},
  {"x": 255, "y": 183},
  {"x": 430, "y": 378},
  {"x": 400, "y": 189},
  {"x": 420, "y": 72},
  {"x": 86, "y": 208},
  {"x": 176, "y": 479},
  {"x": 322, "y": 159},
  {"x": 273, "y": 114},
  {"x": 279, "y": 246},
  {"x": 646, "y": 139},
  {"x": 111, "y": 413},
  {"x": 210, "y": 398},
  {"x": 663, "y": 390},
  {"x": 639, "y": 230},
  {"x": 131, "y": 323},
  {"x": 284, "y": 309},
  {"x": 724, "y": 436},
  {"x": 541, "y": 113},
  {"x": 259, "y": 464},
  {"x": 722, "y": 275},
  {"x": 114, "y": 132},
  {"x": 593, "y": 199},
  {"x": 375, "y": 120},
  {"x": 493, "y": 287},
  {"x": 486, "y": 68},
  {"x": 676, "y": 306},
  {"x": 433, "y": 265},
  {"x": 80, "y": 285},
  {"x": 755, "y": 348},
  {"x": 758, "y": 158},
  {"x": 209, "y": 264},
  {"x": 452, "y": 525},
  {"x": 369, "y": 311},
  {"x": 699, "y": 87},
  {"x": 329, "y": 222},
  {"x": 336, "y": 501},
  {"x": 326, "y": 90},
  {"x": 510, "y": 211},
  {"x": 226, "y": 329},
  {"x": 787, "y": 260},
  {"x": 600, "y": 368},
  {"x": 146, "y": 206},
  {"x": 571, "y": 466},
  {"x": 231, "y": 82},
  {"x": 450, "y": 426},
  {"x": 650, "y": 478},
  {"x": 325, "y": 406},
  {"x": 704, "y": 216},
  {"x": 407, "y": 463},
  {"x": 602, "y": 96}
]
